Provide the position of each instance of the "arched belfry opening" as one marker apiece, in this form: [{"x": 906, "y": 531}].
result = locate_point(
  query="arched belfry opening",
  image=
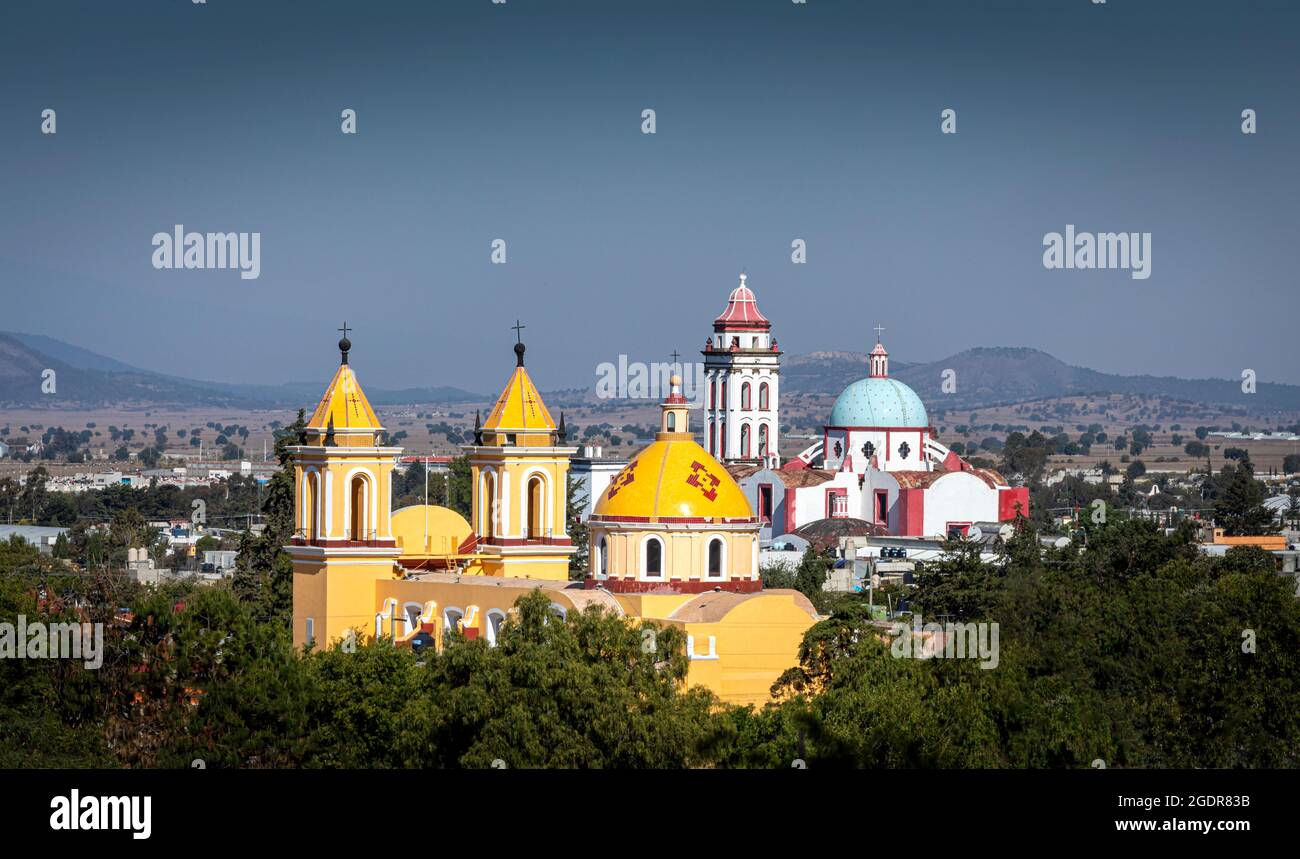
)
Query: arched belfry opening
[
  {"x": 536, "y": 497},
  {"x": 358, "y": 508}
]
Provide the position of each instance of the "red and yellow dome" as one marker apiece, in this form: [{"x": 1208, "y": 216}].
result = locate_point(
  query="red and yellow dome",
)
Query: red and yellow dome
[{"x": 673, "y": 479}]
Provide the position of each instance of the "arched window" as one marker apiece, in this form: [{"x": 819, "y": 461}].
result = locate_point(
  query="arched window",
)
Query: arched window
[
  {"x": 744, "y": 441},
  {"x": 357, "y": 498},
  {"x": 489, "y": 505},
  {"x": 311, "y": 498},
  {"x": 709, "y": 438},
  {"x": 722, "y": 394},
  {"x": 713, "y": 393},
  {"x": 715, "y": 557},
  {"x": 672, "y": 422},
  {"x": 654, "y": 557},
  {"x": 722, "y": 439},
  {"x": 744, "y": 395},
  {"x": 536, "y": 508},
  {"x": 762, "y": 396},
  {"x": 762, "y": 439},
  {"x": 450, "y": 617},
  {"x": 602, "y": 559},
  {"x": 495, "y": 618}
]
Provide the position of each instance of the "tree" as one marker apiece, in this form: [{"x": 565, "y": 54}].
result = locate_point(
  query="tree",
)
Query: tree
[
  {"x": 574, "y": 500},
  {"x": 1291, "y": 463},
  {"x": 1240, "y": 509}
]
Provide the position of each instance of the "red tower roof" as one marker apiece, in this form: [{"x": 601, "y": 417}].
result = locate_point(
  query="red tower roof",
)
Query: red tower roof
[{"x": 742, "y": 311}]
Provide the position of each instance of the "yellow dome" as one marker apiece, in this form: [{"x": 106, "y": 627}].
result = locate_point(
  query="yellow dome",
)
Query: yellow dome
[
  {"x": 445, "y": 530},
  {"x": 673, "y": 479}
]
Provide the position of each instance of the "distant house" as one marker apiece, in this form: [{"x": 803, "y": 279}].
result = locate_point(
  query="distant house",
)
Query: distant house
[
  {"x": 40, "y": 536},
  {"x": 4, "y": 450}
]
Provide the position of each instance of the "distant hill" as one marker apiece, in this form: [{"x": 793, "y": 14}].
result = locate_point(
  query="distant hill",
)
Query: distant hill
[
  {"x": 990, "y": 376},
  {"x": 90, "y": 379}
]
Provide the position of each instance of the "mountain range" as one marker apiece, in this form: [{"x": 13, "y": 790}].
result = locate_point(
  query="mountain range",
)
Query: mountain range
[{"x": 979, "y": 378}]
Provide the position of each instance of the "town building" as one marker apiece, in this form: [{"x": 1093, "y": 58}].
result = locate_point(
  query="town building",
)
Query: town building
[{"x": 676, "y": 541}]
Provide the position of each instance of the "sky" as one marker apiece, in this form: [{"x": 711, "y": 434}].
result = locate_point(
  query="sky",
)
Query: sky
[{"x": 523, "y": 121}]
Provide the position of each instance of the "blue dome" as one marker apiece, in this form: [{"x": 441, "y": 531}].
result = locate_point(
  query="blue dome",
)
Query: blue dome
[{"x": 878, "y": 402}]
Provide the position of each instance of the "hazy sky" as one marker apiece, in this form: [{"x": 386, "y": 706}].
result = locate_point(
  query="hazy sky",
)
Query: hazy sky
[{"x": 522, "y": 121}]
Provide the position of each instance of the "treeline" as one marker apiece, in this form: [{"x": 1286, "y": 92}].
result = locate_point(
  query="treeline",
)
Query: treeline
[{"x": 1135, "y": 651}]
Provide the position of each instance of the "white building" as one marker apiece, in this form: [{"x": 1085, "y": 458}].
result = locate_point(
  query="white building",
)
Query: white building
[
  {"x": 878, "y": 461},
  {"x": 593, "y": 472},
  {"x": 742, "y": 367}
]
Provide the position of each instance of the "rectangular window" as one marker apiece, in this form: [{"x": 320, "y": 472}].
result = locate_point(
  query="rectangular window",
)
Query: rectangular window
[
  {"x": 765, "y": 503},
  {"x": 311, "y": 631},
  {"x": 882, "y": 506},
  {"x": 837, "y": 503}
]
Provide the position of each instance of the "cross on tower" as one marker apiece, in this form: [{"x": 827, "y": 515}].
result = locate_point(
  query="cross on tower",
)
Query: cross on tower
[
  {"x": 675, "y": 357},
  {"x": 345, "y": 330},
  {"x": 519, "y": 338},
  {"x": 879, "y": 328}
]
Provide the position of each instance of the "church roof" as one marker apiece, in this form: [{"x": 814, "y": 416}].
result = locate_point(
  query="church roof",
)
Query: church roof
[
  {"x": 519, "y": 407},
  {"x": 344, "y": 405},
  {"x": 878, "y": 402},
  {"x": 742, "y": 310},
  {"x": 673, "y": 479}
]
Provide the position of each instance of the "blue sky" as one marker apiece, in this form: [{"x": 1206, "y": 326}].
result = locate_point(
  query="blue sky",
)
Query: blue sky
[{"x": 522, "y": 121}]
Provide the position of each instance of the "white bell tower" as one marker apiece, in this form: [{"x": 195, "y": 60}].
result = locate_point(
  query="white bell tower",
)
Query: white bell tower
[{"x": 742, "y": 368}]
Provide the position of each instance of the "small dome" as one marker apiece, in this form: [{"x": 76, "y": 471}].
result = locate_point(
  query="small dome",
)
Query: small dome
[
  {"x": 878, "y": 402},
  {"x": 428, "y": 530},
  {"x": 673, "y": 479}
]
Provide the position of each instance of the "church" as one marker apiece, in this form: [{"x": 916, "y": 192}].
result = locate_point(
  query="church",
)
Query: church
[
  {"x": 673, "y": 540},
  {"x": 878, "y": 460}
]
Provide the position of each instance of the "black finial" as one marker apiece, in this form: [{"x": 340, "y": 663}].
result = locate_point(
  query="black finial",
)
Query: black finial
[
  {"x": 345, "y": 345},
  {"x": 478, "y": 428},
  {"x": 329, "y": 429},
  {"x": 519, "y": 343},
  {"x": 562, "y": 434}
]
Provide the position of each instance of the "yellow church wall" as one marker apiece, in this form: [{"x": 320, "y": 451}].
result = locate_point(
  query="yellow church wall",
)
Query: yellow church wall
[
  {"x": 686, "y": 553},
  {"x": 337, "y": 596},
  {"x": 327, "y": 474}
]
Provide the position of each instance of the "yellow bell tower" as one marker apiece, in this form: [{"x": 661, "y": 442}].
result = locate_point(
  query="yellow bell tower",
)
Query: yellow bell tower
[
  {"x": 343, "y": 541},
  {"x": 519, "y": 465}
]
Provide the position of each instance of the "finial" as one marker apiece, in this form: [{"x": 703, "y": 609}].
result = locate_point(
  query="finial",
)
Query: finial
[
  {"x": 562, "y": 434},
  {"x": 742, "y": 277},
  {"x": 519, "y": 344},
  {"x": 879, "y": 328},
  {"x": 478, "y": 428},
  {"x": 345, "y": 345}
]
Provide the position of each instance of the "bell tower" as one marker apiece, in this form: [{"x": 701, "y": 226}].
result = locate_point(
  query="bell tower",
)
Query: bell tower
[
  {"x": 343, "y": 541},
  {"x": 742, "y": 370},
  {"x": 519, "y": 465}
]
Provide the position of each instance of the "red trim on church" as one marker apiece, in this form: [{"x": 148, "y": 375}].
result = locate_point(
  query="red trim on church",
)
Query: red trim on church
[{"x": 632, "y": 585}]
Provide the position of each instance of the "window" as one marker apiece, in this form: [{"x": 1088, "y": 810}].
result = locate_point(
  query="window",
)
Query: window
[
  {"x": 489, "y": 505},
  {"x": 495, "y": 619},
  {"x": 722, "y": 394},
  {"x": 311, "y": 631},
  {"x": 715, "y": 558},
  {"x": 762, "y": 439},
  {"x": 765, "y": 503},
  {"x": 358, "y": 495},
  {"x": 744, "y": 441},
  {"x": 709, "y": 439},
  {"x": 654, "y": 557},
  {"x": 722, "y": 438},
  {"x": 536, "y": 508},
  {"x": 713, "y": 393},
  {"x": 672, "y": 422},
  {"x": 744, "y": 395},
  {"x": 837, "y": 503},
  {"x": 602, "y": 557},
  {"x": 762, "y": 396},
  {"x": 882, "y": 506}
]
